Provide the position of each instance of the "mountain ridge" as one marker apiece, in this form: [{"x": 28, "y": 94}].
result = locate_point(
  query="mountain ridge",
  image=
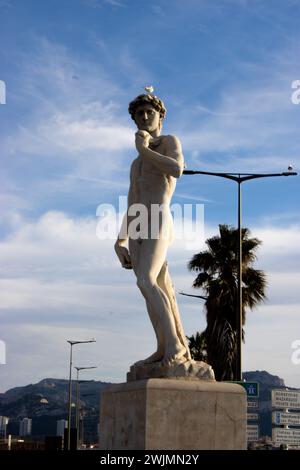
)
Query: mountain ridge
[{"x": 47, "y": 401}]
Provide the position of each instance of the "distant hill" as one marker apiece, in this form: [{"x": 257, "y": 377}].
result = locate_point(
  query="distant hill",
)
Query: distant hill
[
  {"x": 264, "y": 378},
  {"x": 32, "y": 399},
  {"x": 47, "y": 401}
]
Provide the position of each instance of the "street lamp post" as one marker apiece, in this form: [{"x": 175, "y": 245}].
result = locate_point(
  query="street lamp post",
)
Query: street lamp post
[
  {"x": 78, "y": 397},
  {"x": 239, "y": 178},
  {"x": 71, "y": 343}
]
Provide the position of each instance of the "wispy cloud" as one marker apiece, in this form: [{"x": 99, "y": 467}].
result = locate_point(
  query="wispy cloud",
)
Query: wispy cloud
[
  {"x": 114, "y": 3},
  {"x": 101, "y": 3},
  {"x": 191, "y": 197},
  {"x": 135, "y": 70},
  {"x": 73, "y": 128},
  {"x": 6, "y": 3},
  {"x": 67, "y": 114},
  {"x": 67, "y": 144},
  {"x": 253, "y": 125},
  {"x": 57, "y": 275},
  {"x": 64, "y": 135}
]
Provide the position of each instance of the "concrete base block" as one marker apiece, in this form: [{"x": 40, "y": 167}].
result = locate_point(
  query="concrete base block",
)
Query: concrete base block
[{"x": 173, "y": 414}]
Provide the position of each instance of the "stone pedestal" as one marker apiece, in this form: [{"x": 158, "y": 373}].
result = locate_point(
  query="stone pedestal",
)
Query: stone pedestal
[
  {"x": 173, "y": 414},
  {"x": 190, "y": 368}
]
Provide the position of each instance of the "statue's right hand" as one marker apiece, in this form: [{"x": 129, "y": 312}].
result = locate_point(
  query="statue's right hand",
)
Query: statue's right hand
[{"x": 123, "y": 255}]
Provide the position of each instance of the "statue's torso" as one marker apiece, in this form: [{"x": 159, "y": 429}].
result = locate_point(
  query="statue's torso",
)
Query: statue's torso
[{"x": 148, "y": 184}]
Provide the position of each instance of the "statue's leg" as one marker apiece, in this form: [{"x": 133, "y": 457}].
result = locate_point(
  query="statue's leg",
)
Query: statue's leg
[
  {"x": 152, "y": 256},
  {"x": 158, "y": 355},
  {"x": 165, "y": 283}
]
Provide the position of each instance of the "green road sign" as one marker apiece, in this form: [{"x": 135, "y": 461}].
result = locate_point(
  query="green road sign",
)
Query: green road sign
[{"x": 252, "y": 388}]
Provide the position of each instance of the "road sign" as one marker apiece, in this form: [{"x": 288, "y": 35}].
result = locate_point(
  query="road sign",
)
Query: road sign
[
  {"x": 252, "y": 432},
  {"x": 252, "y": 416},
  {"x": 286, "y": 436},
  {"x": 292, "y": 419},
  {"x": 286, "y": 399},
  {"x": 252, "y": 404},
  {"x": 252, "y": 388}
]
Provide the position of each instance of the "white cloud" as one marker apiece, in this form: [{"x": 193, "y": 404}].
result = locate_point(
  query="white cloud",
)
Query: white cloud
[
  {"x": 68, "y": 115},
  {"x": 280, "y": 241},
  {"x": 270, "y": 332},
  {"x": 35, "y": 352},
  {"x": 58, "y": 280},
  {"x": 134, "y": 70},
  {"x": 74, "y": 139},
  {"x": 101, "y": 3},
  {"x": 62, "y": 134},
  {"x": 39, "y": 246},
  {"x": 6, "y": 3},
  {"x": 252, "y": 126},
  {"x": 114, "y": 3}
]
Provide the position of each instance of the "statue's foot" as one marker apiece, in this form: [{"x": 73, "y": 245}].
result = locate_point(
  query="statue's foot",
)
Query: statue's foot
[
  {"x": 155, "y": 357},
  {"x": 174, "y": 355}
]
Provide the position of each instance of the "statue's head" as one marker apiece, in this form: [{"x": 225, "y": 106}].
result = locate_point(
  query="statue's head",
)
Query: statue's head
[
  {"x": 155, "y": 102},
  {"x": 146, "y": 101}
]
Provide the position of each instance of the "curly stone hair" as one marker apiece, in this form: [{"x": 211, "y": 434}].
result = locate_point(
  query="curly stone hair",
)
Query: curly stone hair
[{"x": 147, "y": 99}]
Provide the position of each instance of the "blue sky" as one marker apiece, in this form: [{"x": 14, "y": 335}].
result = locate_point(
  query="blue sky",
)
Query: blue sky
[{"x": 224, "y": 70}]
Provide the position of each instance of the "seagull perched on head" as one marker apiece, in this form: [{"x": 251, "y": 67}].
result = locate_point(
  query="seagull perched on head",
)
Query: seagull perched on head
[{"x": 149, "y": 89}]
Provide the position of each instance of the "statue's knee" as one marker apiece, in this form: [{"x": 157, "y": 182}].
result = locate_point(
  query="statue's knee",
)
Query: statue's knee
[{"x": 145, "y": 283}]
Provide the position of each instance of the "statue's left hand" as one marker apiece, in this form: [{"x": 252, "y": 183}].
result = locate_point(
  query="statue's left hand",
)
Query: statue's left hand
[{"x": 142, "y": 140}]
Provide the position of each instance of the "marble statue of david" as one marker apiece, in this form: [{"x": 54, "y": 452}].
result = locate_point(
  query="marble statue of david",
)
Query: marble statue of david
[{"x": 153, "y": 179}]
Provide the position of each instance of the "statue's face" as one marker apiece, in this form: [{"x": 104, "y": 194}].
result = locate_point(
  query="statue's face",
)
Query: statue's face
[{"x": 147, "y": 118}]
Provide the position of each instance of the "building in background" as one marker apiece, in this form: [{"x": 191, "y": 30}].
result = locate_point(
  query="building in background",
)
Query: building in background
[
  {"x": 3, "y": 426},
  {"x": 61, "y": 425},
  {"x": 25, "y": 427}
]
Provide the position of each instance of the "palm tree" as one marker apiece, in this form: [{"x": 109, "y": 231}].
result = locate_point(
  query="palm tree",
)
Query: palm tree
[
  {"x": 217, "y": 276},
  {"x": 197, "y": 345}
]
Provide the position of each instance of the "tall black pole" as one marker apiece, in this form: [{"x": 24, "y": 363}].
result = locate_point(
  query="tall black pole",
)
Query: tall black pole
[
  {"x": 77, "y": 409},
  {"x": 70, "y": 400},
  {"x": 239, "y": 307},
  {"x": 239, "y": 178}
]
